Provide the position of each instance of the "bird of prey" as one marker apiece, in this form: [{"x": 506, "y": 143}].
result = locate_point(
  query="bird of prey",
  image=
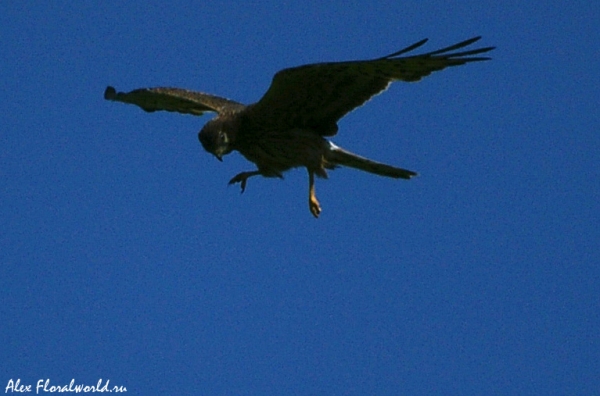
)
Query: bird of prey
[{"x": 288, "y": 126}]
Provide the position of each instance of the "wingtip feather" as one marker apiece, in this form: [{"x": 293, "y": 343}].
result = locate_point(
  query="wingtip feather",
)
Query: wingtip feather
[
  {"x": 407, "y": 49},
  {"x": 110, "y": 93}
]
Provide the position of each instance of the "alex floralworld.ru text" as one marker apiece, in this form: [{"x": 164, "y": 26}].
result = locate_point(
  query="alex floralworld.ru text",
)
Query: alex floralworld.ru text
[{"x": 45, "y": 386}]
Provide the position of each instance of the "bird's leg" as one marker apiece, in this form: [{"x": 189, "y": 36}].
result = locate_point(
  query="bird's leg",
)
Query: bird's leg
[
  {"x": 313, "y": 203},
  {"x": 243, "y": 178}
]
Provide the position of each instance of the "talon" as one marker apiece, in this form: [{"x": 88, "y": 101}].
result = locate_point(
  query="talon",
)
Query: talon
[
  {"x": 239, "y": 179},
  {"x": 314, "y": 207},
  {"x": 242, "y": 178},
  {"x": 313, "y": 203}
]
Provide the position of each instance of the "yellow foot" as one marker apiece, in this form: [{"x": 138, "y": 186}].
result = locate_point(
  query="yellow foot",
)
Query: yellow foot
[{"x": 314, "y": 207}]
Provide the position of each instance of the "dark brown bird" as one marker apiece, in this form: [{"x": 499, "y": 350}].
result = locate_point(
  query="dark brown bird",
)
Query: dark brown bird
[{"x": 287, "y": 127}]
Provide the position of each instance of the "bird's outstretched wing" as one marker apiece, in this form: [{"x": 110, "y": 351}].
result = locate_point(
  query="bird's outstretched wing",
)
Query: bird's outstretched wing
[
  {"x": 173, "y": 99},
  {"x": 316, "y": 96}
]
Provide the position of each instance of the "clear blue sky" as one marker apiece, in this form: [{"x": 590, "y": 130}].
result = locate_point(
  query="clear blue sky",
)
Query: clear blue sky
[{"x": 125, "y": 256}]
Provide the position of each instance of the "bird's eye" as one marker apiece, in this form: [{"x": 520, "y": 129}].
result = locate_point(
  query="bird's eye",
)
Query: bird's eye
[{"x": 223, "y": 137}]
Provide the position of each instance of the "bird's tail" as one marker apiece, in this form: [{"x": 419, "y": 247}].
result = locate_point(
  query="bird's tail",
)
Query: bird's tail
[{"x": 339, "y": 156}]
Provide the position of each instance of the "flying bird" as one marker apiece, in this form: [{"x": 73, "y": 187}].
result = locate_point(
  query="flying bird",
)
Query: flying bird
[{"x": 287, "y": 128}]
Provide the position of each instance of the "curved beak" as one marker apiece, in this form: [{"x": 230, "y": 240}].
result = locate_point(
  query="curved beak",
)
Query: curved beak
[{"x": 219, "y": 157}]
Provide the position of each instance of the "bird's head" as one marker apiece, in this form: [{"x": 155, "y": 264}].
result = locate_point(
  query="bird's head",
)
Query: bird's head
[{"x": 216, "y": 138}]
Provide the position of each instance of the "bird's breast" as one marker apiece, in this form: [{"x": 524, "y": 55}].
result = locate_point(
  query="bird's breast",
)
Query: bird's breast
[{"x": 278, "y": 151}]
